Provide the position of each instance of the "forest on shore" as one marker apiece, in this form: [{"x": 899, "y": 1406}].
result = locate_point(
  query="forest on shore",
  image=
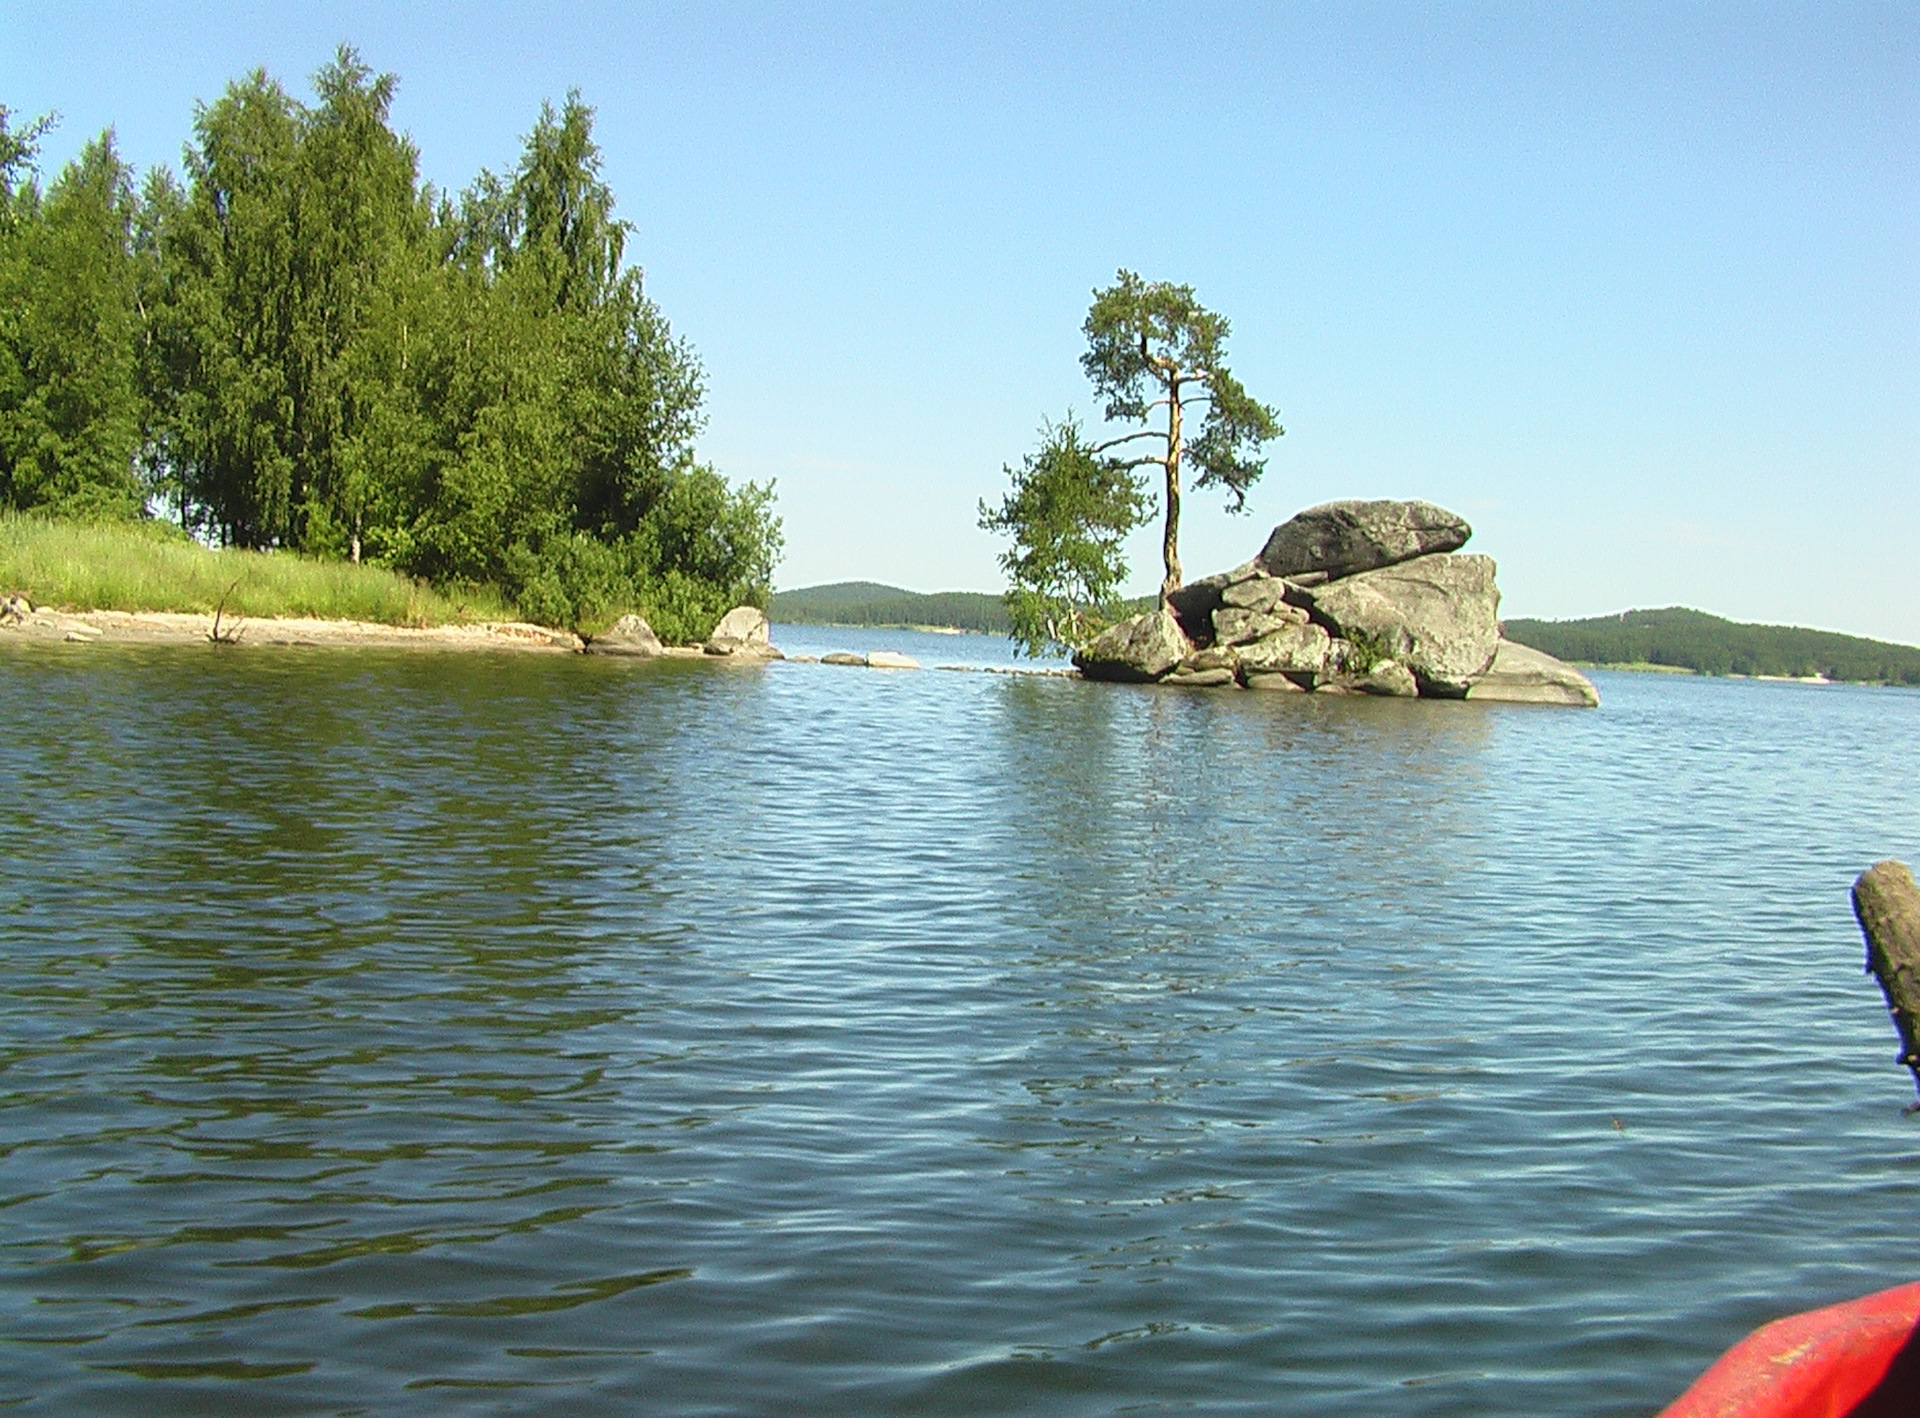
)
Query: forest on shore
[
  {"x": 297, "y": 345},
  {"x": 870, "y": 603},
  {"x": 1707, "y": 644}
]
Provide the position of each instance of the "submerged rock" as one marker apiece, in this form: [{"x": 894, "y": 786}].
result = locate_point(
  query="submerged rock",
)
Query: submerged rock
[
  {"x": 1138, "y": 649},
  {"x": 1520, "y": 674},
  {"x": 1351, "y": 536},
  {"x": 1436, "y": 615}
]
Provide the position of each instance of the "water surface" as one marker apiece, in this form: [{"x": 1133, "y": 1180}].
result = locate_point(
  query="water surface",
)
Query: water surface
[{"x": 455, "y": 1033}]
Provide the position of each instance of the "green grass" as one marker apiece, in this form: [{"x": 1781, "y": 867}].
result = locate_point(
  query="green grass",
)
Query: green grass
[{"x": 150, "y": 566}]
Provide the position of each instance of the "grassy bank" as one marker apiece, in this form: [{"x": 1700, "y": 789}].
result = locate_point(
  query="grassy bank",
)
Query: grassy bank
[{"x": 152, "y": 567}]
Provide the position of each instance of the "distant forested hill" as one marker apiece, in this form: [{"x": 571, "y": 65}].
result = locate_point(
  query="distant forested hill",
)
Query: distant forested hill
[
  {"x": 1708, "y": 645},
  {"x": 868, "y": 603}
]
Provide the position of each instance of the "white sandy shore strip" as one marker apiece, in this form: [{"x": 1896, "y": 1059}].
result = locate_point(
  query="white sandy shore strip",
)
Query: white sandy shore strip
[
  {"x": 168, "y": 627},
  {"x": 174, "y": 628}
]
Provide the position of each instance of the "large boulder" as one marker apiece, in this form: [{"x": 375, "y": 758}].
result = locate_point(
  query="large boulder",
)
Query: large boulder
[
  {"x": 1348, "y": 537},
  {"x": 742, "y": 631},
  {"x": 1520, "y": 674},
  {"x": 1242, "y": 625},
  {"x": 1437, "y": 615},
  {"x": 1193, "y": 604},
  {"x": 631, "y": 636},
  {"x": 1299, "y": 651},
  {"x": 1137, "y": 650}
]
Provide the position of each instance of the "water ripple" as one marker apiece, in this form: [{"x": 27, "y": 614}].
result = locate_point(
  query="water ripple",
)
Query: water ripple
[{"x": 459, "y": 1034}]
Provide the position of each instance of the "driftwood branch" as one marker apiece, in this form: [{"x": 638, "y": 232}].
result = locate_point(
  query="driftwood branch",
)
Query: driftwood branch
[
  {"x": 1887, "y": 904},
  {"x": 233, "y": 632}
]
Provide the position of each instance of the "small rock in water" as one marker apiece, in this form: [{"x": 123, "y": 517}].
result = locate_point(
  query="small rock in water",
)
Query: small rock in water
[
  {"x": 891, "y": 660},
  {"x": 1202, "y": 679},
  {"x": 631, "y": 636},
  {"x": 1142, "y": 647},
  {"x": 743, "y": 632},
  {"x": 843, "y": 657},
  {"x": 1522, "y": 675}
]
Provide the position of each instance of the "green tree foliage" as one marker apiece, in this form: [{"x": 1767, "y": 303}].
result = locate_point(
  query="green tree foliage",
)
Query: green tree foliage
[
  {"x": 71, "y": 405},
  {"x": 1709, "y": 645},
  {"x": 1152, "y": 346},
  {"x": 1067, "y": 513},
  {"x": 304, "y": 347}
]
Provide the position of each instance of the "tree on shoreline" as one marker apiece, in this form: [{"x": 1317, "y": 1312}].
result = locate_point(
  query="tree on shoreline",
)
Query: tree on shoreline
[{"x": 299, "y": 345}]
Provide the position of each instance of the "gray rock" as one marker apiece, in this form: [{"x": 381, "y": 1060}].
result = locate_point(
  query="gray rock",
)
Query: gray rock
[
  {"x": 1256, "y": 593},
  {"x": 1299, "y": 650},
  {"x": 1235, "y": 625},
  {"x": 742, "y": 631},
  {"x": 891, "y": 660},
  {"x": 843, "y": 657},
  {"x": 1390, "y": 680},
  {"x": 1217, "y": 678},
  {"x": 14, "y": 610},
  {"x": 1437, "y": 615},
  {"x": 1218, "y": 657},
  {"x": 747, "y": 624},
  {"x": 1520, "y": 674},
  {"x": 1193, "y": 604},
  {"x": 1215, "y": 667},
  {"x": 1351, "y": 536},
  {"x": 1285, "y": 684},
  {"x": 630, "y": 636},
  {"x": 1138, "y": 649}
]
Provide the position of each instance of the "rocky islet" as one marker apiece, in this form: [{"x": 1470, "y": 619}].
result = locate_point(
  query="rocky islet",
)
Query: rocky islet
[{"x": 1350, "y": 597}]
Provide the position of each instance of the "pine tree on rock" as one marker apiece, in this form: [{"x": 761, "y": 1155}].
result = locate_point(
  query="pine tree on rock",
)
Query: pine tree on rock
[{"x": 1152, "y": 346}]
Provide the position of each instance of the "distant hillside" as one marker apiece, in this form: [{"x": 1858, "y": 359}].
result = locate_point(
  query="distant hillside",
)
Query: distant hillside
[
  {"x": 868, "y": 603},
  {"x": 1708, "y": 645}
]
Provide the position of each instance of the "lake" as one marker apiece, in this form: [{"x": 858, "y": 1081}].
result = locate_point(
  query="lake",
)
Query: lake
[{"x": 452, "y": 1033}]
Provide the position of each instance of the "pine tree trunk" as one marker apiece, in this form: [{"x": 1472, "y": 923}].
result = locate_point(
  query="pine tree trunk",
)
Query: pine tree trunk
[
  {"x": 1170, "y": 548},
  {"x": 1887, "y": 904}
]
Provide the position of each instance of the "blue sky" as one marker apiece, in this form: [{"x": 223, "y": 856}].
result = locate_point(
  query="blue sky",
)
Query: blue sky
[{"x": 1635, "y": 287}]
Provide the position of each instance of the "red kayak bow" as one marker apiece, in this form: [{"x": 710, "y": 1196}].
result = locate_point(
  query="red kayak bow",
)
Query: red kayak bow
[{"x": 1857, "y": 1360}]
